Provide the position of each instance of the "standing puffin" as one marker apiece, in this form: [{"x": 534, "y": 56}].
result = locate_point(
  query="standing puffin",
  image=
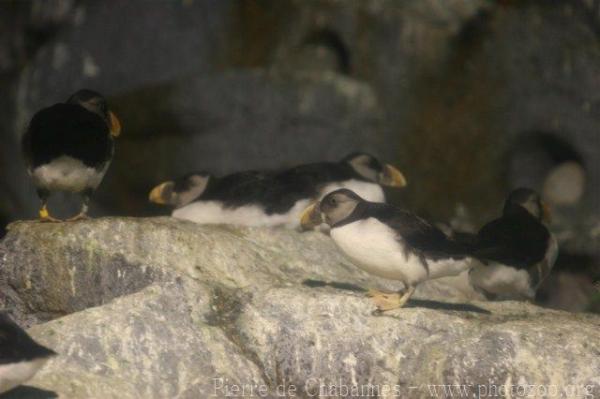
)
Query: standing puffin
[
  {"x": 20, "y": 356},
  {"x": 274, "y": 198},
  {"x": 388, "y": 242},
  {"x": 69, "y": 146},
  {"x": 517, "y": 249}
]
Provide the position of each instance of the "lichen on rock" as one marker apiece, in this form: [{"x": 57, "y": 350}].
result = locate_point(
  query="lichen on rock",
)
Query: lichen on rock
[{"x": 165, "y": 308}]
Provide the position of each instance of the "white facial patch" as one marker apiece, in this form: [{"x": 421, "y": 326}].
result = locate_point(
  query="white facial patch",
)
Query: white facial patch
[
  {"x": 14, "y": 374},
  {"x": 213, "y": 212},
  {"x": 198, "y": 185},
  {"x": 373, "y": 246},
  {"x": 67, "y": 174},
  {"x": 371, "y": 192},
  {"x": 360, "y": 164}
]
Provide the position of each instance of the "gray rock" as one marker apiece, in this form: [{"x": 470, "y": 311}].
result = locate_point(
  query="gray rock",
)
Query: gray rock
[
  {"x": 109, "y": 47},
  {"x": 448, "y": 77},
  {"x": 549, "y": 106},
  {"x": 164, "y": 308},
  {"x": 228, "y": 122},
  {"x": 219, "y": 115},
  {"x": 237, "y": 121}
]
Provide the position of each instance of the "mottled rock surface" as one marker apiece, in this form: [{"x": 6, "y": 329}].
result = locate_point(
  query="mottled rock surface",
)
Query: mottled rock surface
[
  {"x": 469, "y": 97},
  {"x": 159, "y": 308}
]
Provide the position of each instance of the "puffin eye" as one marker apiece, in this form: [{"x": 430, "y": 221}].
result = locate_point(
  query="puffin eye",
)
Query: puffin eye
[{"x": 332, "y": 201}]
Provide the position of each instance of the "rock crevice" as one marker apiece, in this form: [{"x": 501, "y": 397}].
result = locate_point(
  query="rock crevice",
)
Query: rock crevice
[{"x": 165, "y": 308}]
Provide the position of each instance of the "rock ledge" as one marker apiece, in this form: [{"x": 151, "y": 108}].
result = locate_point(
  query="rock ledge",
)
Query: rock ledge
[{"x": 161, "y": 308}]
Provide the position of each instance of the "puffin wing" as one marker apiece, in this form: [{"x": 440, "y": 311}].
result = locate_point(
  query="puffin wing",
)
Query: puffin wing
[
  {"x": 514, "y": 241},
  {"x": 242, "y": 188},
  {"x": 66, "y": 129},
  {"x": 420, "y": 235}
]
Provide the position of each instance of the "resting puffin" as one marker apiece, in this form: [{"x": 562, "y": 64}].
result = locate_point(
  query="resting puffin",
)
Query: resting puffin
[
  {"x": 272, "y": 198},
  {"x": 20, "y": 356},
  {"x": 388, "y": 242},
  {"x": 69, "y": 146},
  {"x": 360, "y": 172},
  {"x": 517, "y": 249}
]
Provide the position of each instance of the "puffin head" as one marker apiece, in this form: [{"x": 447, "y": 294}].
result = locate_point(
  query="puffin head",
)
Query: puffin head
[
  {"x": 530, "y": 201},
  {"x": 181, "y": 191},
  {"x": 369, "y": 168},
  {"x": 96, "y": 103},
  {"x": 335, "y": 207}
]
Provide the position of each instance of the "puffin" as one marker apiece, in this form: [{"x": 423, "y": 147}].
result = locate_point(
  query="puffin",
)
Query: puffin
[
  {"x": 388, "y": 242},
  {"x": 272, "y": 198},
  {"x": 69, "y": 146},
  {"x": 517, "y": 250},
  {"x": 360, "y": 172},
  {"x": 20, "y": 356}
]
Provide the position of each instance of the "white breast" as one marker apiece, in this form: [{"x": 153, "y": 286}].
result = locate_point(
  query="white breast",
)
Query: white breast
[
  {"x": 369, "y": 191},
  {"x": 501, "y": 280},
  {"x": 213, "y": 212},
  {"x": 14, "y": 374},
  {"x": 375, "y": 248},
  {"x": 509, "y": 283},
  {"x": 449, "y": 267},
  {"x": 67, "y": 174}
]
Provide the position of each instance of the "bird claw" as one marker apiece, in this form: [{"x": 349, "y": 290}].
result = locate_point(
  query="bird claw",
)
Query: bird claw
[
  {"x": 376, "y": 312},
  {"x": 388, "y": 301},
  {"x": 50, "y": 219},
  {"x": 385, "y": 301},
  {"x": 371, "y": 293},
  {"x": 80, "y": 216},
  {"x": 46, "y": 218}
]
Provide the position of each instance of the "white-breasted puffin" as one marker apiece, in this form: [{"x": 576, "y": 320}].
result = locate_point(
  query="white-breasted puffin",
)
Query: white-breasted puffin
[
  {"x": 69, "y": 146},
  {"x": 20, "y": 356},
  {"x": 388, "y": 242},
  {"x": 517, "y": 249},
  {"x": 272, "y": 198}
]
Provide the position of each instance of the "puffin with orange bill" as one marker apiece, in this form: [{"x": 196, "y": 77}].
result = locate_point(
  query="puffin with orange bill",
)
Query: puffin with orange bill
[
  {"x": 69, "y": 146},
  {"x": 517, "y": 250},
  {"x": 272, "y": 198},
  {"x": 388, "y": 242}
]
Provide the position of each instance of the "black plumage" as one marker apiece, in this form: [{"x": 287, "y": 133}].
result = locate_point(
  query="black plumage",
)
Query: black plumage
[
  {"x": 516, "y": 239},
  {"x": 71, "y": 130},
  {"x": 16, "y": 345},
  {"x": 307, "y": 181},
  {"x": 20, "y": 356},
  {"x": 421, "y": 236},
  {"x": 276, "y": 192},
  {"x": 68, "y": 147},
  {"x": 233, "y": 190},
  {"x": 389, "y": 242},
  {"x": 418, "y": 236},
  {"x": 249, "y": 187},
  {"x": 517, "y": 250},
  {"x": 314, "y": 174}
]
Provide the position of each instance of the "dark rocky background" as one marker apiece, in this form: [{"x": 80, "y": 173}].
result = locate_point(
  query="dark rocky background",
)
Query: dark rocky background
[{"x": 468, "y": 98}]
